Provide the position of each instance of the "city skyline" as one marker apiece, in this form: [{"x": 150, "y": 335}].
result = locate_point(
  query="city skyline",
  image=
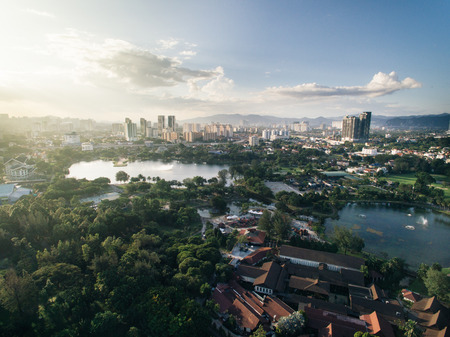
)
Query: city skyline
[{"x": 106, "y": 60}]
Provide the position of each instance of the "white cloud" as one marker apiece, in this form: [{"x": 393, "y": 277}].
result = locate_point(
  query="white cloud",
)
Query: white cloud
[
  {"x": 188, "y": 54},
  {"x": 123, "y": 62},
  {"x": 168, "y": 44},
  {"x": 217, "y": 89},
  {"x": 40, "y": 13},
  {"x": 380, "y": 85}
]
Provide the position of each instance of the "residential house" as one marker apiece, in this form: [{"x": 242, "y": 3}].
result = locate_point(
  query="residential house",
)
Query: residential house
[{"x": 17, "y": 170}]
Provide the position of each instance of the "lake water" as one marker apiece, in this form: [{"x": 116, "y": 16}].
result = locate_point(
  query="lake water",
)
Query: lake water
[
  {"x": 383, "y": 229},
  {"x": 153, "y": 168}
]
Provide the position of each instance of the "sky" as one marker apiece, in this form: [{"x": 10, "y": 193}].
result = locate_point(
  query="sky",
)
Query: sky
[{"x": 112, "y": 59}]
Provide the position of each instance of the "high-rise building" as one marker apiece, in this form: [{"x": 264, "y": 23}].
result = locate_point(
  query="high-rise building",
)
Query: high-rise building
[
  {"x": 253, "y": 140},
  {"x": 143, "y": 123},
  {"x": 356, "y": 128},
  {"x": 161, "y": 123},
  {"x": 191, "y": 127},
  {"x": 364, "y": 125},
  {"x": 171, "y": 123},
  {"x": 130, "y": 130}
]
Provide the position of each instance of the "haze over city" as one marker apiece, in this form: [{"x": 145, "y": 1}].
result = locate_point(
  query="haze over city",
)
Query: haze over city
[{"x": 107, "y": 60}]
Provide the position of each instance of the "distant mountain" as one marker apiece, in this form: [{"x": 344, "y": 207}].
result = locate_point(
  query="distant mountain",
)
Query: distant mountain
[
  {"x": 258, "y": 120},
  {"x": 405, "y": 122},
  {"x": 432, "y": 122}
]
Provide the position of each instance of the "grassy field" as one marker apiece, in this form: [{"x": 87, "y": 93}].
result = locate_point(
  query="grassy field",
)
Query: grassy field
[{"x": 410, "y": 179}]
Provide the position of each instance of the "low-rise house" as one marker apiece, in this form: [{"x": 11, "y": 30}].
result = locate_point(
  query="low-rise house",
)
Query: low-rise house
[
  {"x": 410, "y": 296},
  {"x": 18, "y": 170},
  {"x": 254, "y": 236},
  {"x": 249, "y": 309},
  {"x": 257, "y": 256}
]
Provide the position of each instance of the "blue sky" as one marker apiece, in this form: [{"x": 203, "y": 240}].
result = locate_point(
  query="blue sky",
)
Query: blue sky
[{"x": 110, "y": 59}]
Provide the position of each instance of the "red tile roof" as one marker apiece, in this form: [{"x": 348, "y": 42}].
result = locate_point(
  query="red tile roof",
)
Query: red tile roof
[
  {"x": 377, "y": 325},
  {"x": 257, "y": 255},
  {"x": 249, "y": 308}
]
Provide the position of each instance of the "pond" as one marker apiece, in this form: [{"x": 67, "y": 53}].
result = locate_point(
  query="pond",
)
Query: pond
[
  {"x": 153, "y": 168},
  {"x": 413, "y": 234}
]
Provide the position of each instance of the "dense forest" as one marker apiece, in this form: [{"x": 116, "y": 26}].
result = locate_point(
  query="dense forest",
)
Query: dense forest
[{"x": 73, "y": 270}]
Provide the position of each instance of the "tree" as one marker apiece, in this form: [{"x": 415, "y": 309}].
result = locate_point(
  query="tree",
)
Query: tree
[
  {"x": 437, "y": 283},
  {"x": 219, "y": 203},
  {"x": 363, "y": 334},
  {"x": 18, "y": 294},
  {"x": 422, "y": 271},
  {"x": 281, "y": 224},
  {"x": 265, "y": 223},
  {"x": 345, "y": 239},
  {"x": 410, "y": 329},
  {"x": 122, "y": 176},
  {"x": 260, "y": 332},
  {"x": 222, "y": 177},
  {"x": 291, "y": 325}
]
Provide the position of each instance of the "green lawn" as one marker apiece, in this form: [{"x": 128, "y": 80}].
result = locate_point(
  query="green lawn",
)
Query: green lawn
[{"x": 410, "y": 179}]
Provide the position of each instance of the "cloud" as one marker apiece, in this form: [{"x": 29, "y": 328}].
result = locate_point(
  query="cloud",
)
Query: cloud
[
  {"x": 380, "y": 85},
  {"x": 40, "y": 13},
  {"x": 123, "y": 62},
  {"x": 188, "y": 54},
  {"x": 217, "y": 89},
  {"x": 168, "y": 44}
]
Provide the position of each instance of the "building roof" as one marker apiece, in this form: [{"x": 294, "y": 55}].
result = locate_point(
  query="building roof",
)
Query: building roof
[
  {"x": 270, "y": 278},
  {"x": 377, "y": 292},
  {"x": 20, "y": 192},
  {"x": 439, "y": 319},
  {"x": 430, "y": 304},
  {"x": 377, "y": 325},
  {"x": 437, "y": 333},
  {"x": 332, "y": 324},
  {"x": 245, "y": 318},
  {"x": 270, "y": 275},
  {"x": 340, "y": 260},
  {"x": 343, "y": 278},
  {"x": 411, "y": 296},
  {"x": 254, "y": 236},
  {"x": 308, "y": 284},
  {"x": 302, "y": 302},
  {"x": 256, "y": 256},
  {"x": 6, "y": 190},
  {"x": 250, "y": 271},
  {"x": 247, "y": 307},
  {"x": 389, "y": 311}
]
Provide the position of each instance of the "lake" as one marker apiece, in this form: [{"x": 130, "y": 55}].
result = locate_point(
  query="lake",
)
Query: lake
[
  {"x": 153, "y": 168},
  {"x": 383, "y": 228}
]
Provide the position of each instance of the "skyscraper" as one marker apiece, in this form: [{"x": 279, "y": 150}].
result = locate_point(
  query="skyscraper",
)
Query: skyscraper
[
  {"x": 171, "y": 123},
  {"x": 364, "y": 125},
  {"x": 161, "y": 123},
  {"x": 143, "y": 123},
  {"x": 356, "y": 128},
  {"x": 130, "y": 130}
]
